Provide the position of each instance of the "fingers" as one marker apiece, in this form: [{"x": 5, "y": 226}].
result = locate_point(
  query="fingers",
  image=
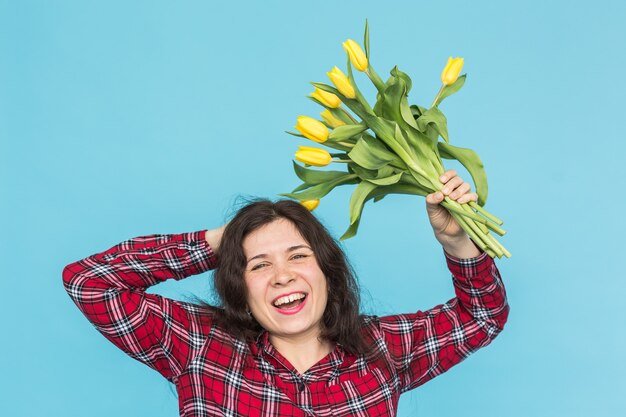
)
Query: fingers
[
  {"x": 455, "y": 188},
  {"x": 445, "y": 177},
  {"x": 466, "y": 198},
  {"x": 434, "y": 198}
]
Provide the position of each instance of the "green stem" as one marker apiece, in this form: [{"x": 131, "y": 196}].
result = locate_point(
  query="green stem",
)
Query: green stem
[
  {"x": 454, "y": 206},
  {"x": 485, "y": 213},
  {"x": 497, "y": 229},
  {"x": 437, "y": 97},
  {"x": 481, "y": 226},
  {"x": 376, "y": 80},
  {"x": 348, "y": 145},
  {"x": 499, "y": 245},
  {"x": 349, "y": 115},
  {"x": 472, "y": 234}
]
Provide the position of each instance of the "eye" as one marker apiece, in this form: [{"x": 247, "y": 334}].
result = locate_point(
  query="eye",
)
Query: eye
[
  {"x": 299, "y": 256},
  {"x": 258, "y": 266}
]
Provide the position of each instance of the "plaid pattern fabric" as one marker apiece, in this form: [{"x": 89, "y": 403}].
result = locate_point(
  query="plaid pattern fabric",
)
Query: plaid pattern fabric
[{"x": 216, "y": 374}]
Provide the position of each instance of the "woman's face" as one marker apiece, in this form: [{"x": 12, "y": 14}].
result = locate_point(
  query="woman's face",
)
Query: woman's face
[{"x": 287, "y": 291}]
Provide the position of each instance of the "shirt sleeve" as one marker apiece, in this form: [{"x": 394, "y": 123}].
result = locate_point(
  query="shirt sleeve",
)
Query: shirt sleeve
[
  {"x": 425, "y": 344},
  {"x": 109, "y": 289}
]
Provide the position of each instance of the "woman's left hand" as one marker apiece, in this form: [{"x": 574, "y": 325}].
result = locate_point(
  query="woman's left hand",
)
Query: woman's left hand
[{"x": 447, "y": 231}]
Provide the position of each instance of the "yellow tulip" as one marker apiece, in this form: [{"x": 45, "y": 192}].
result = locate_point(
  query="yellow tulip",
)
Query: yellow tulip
[
  {"x": 310, "y": 204},
  {"x": 326, "y": 98},
  {"x": 341, "y": 82},
  {"x": 331, "y": 120},
  {"x": 452, "y": 70},
  {"x": 313, "y": 156},
  {"x": 356, "y": 54},
  {"x": 312, "y": 129}
]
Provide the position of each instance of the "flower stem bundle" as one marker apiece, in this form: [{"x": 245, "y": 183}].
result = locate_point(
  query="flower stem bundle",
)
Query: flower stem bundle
[{"x": 391, "y": 147}]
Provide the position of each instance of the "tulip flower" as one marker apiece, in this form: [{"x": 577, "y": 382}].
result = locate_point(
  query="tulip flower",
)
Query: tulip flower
[
  {"x": 312, "y": 129},
  {"x": 356, "y": 54},
  {"x": 331, "y": 120},
  {"x": 341, "y": 82},
  {"x": 313, "y": 156},
  {"x": 452, "y": 70},
  {"x": 327, "y": 99},
  {"x": 310, "y": 204}
]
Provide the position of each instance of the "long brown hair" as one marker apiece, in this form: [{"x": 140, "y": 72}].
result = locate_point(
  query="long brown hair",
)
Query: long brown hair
[{"x": 341, "y": 321}]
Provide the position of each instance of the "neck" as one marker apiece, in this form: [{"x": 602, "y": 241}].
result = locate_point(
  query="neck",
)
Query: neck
[{"x": 302, "y": 351}]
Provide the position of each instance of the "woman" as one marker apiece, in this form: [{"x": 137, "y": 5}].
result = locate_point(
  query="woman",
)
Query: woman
[{"x": 288, "y": 339}]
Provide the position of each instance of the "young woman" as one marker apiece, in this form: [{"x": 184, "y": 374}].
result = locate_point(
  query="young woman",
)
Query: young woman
[{"x": 287, "y": 339}]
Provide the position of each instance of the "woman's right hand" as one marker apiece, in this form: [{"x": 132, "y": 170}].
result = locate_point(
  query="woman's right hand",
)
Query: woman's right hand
[{"x": 214, "y": 237}]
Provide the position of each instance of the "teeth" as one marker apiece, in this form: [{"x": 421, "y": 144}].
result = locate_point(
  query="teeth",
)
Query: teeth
[{"x": 288, "y": 299}]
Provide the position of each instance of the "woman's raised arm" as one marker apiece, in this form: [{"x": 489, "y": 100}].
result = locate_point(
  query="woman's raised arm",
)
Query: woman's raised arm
[{"x": 109, "y": 289}]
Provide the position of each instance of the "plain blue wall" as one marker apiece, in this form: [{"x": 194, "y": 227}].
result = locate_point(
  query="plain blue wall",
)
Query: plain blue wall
[{"x": 126, "y": 118}]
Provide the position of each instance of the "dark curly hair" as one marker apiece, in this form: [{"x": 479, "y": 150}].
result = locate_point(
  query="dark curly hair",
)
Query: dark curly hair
[{"x": 341, "y": 321}]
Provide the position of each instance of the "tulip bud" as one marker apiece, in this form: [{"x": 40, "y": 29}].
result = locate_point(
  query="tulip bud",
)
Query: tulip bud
[
  {"x": 313, "y": 156},
  {"x": 356, "y": 54},
  {"x": 331, "y": 120},
  {"x": 326, "y": 98},
  {"x": 312, "y": 129},
  {"x": 310, "y": 204},
  {"x": 341, "y": 82},
  {"x": 452, "y": 70}
]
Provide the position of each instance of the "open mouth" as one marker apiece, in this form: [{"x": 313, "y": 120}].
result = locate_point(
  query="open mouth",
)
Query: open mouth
[{"x": 290, "y": 303}]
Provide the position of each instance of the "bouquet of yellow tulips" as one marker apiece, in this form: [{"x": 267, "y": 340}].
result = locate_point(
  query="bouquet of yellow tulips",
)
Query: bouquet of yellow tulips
[{"x": 390, "y": 148}]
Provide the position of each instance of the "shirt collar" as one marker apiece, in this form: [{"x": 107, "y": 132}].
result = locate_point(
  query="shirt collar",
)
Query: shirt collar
[{"x": 336, "y": 359}]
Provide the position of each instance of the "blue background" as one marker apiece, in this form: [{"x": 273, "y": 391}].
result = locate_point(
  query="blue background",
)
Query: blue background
[{"x": 126, "y": 118}]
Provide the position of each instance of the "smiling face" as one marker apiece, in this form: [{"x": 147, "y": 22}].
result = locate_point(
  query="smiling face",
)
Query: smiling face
[{"x": 287, "y": 290}]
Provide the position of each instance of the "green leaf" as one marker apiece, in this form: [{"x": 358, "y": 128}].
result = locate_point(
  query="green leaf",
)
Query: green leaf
[
  {"x": 312, "y": 176},
  {"x": 320, "y": 190},
  {"x": 366, "y": 41},
  {"x": 301, "y": 187},
  {"x": 415, "y": 111},
  {"x": 327, "y": 88},
  {"x": 395, "y": 72},
  {"x": 378, "y": 194},
  {"x": 358, "y": 199},
  {"x": 448, "y": 90},
  {"x": 370, "y": 153},
  {"x": 385, "y": 171},
  {"x": 295, "y": 134},
  {"x": 437, "y": 119},
  {"x": 388, "y": 180},
  {"x": 346, "y": 131},
  {"x": 363, "y": 173},
  {"x": 339, "y": 114},
  {"x": 470, "y": 160}
]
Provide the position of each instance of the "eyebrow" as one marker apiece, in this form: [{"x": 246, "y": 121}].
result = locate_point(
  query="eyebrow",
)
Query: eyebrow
[{"x": 290, "y": 249}]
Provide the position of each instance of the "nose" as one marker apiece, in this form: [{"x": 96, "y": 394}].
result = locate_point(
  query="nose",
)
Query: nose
[{"x": 283, "y": 275}]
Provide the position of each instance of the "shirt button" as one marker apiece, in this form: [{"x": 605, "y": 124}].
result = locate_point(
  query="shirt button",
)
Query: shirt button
[{"x": 301, "y": 386}]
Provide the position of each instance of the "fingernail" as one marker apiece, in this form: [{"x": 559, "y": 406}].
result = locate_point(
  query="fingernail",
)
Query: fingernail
[
  {"x": 442, "y": 178},
  {"x": 445, "y": 190}
]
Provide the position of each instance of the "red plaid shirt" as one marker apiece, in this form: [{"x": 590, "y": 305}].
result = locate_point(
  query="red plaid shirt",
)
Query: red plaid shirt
[{"x": 216, "y": 374}]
